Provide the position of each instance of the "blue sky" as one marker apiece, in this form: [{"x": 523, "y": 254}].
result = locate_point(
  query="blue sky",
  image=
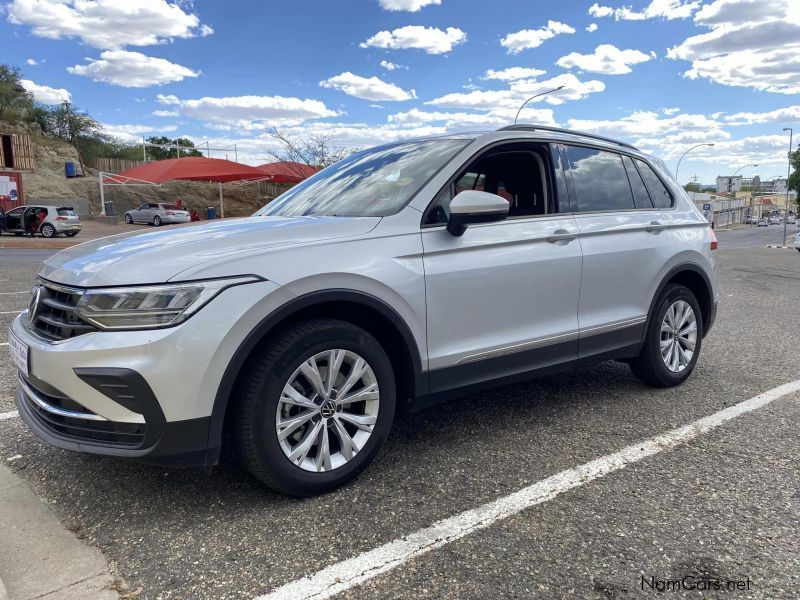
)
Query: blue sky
[{"x": 663, "y": 74}]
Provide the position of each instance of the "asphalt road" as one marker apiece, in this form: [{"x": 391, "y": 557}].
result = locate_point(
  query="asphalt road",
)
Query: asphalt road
[
  {"x": 753, "y": 236},
  {"x": 726, "y": 504}
]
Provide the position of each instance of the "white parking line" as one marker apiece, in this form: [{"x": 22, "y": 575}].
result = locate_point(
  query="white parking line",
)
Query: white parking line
[
  {"x": 12, "y": 293},
  {"x": 10, "y": 312},
  {"x": 9, "y": 415},
  {"x": 3, "y": 343},
  {"x": 344, "y": 575}
]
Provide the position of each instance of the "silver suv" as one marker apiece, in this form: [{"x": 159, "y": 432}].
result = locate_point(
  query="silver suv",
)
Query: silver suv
[{"x": 396, "y": 278}]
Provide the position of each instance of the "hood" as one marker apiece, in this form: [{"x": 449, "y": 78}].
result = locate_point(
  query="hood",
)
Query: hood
[{"x": 158, "y": 255}]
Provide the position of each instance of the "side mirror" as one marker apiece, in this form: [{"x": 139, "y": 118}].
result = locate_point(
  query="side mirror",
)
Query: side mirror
[{"x": 471, "y": 206}]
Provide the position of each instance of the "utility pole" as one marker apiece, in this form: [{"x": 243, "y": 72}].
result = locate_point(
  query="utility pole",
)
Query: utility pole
[{"x": 788, "y": 174}]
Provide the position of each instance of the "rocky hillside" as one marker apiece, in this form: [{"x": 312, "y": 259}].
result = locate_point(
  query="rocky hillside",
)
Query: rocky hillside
[{"x": 48, "y": 182}]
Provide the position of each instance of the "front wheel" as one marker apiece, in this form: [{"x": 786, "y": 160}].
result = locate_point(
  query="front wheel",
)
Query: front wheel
[
  {"x": 48, "y": 231},
  {"x": 315, "y": 408},
  {"x": 129, "y": 219},
  {"x": 673, "y": 339},
  {"x": 157, "y": 221}
]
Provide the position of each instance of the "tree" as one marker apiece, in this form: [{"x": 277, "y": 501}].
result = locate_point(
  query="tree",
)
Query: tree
[
  {"x": 186, "y": 148},
  {"x": 693, "y": 187},
  {"x": 15, "y": 101},
  {"x": 312, "y": 150},
  {"x": 794, "y": 178}
]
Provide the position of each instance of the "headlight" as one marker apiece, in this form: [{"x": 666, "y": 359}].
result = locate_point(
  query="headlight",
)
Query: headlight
[{"x": 151, "y": 307}]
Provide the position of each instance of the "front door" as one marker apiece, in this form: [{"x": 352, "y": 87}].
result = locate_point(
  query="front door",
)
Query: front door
[{"x": 502, "y": 299}]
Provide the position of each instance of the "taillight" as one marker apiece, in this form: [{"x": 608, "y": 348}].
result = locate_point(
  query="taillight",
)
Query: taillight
[
  {"x": 61, "y": 218},
  {"x": 713, "y": 238},
  {"x": 168, "y": 212}
]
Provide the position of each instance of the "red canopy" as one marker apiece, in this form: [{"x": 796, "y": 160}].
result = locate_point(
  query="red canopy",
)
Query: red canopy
[
  {"x": 196, "y": 168},
  {"x": 286, "y": 171}
]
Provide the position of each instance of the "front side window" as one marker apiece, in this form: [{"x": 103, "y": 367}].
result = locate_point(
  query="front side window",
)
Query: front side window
[
  {"x": 599, "y": 180},
  {"x": 661, "y": 196},
  {"x": 373, "y": 183}
]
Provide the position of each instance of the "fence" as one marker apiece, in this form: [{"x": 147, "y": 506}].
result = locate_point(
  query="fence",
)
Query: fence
[
  {"x": 273, "y": 190},
  {"x": 115, "y": 165}
]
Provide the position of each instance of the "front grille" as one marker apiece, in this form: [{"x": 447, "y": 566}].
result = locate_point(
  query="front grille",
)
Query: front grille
[
  {"x": 54, "y": 314},
  {"x": 52, "y": 413}
]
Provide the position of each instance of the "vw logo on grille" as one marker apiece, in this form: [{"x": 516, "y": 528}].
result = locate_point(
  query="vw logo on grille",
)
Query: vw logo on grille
[{"x": 33, "y": 305}]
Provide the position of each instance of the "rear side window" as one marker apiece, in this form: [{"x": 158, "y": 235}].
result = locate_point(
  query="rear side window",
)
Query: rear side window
[
  {"x": 640, "y": 196},
  {"x": 658, "y": 192},
  {"x": 170, "y": 206},
  {"x": 599, "y": 180}
]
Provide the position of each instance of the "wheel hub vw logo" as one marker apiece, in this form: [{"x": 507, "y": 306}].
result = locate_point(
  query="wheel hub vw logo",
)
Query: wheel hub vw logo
[
  {"x": 328, "y": 409},
  {"x": 33, "y": 305}
]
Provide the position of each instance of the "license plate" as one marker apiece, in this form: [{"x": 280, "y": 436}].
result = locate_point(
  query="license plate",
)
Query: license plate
[
  {"x": 76, "y": 226},
  {"x": 19, "y": 353}
]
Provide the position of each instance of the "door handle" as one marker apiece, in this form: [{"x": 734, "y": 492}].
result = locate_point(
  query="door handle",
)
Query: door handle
[
  {"x": 561, "y": 237},
  {"x": 654, "y": 227}
]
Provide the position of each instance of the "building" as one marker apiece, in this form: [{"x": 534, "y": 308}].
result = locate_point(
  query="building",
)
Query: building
[
  {"x": 729, "y": 183},
  {"x": 776, "y": 186}
]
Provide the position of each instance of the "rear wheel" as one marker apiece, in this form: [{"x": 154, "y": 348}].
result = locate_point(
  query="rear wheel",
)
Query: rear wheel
[
  {"x": 672, "y": 343},
  {"x": 48, "y": 231},
  {"x": 157, "y": 221},
  {"x": 71, "y": 233},
  {"x": 315, "y": 408}
]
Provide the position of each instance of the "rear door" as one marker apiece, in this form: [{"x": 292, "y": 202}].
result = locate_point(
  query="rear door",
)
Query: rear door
[{"x": 625, "y": 245}]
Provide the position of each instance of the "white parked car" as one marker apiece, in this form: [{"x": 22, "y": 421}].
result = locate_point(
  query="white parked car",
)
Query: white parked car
[
  {"x": 157, "y": 214},
  {"x": 774, "y": 220},
  {"x": 797, "y": 242},
  {"x": 396, "y": 278},
  {"x": 49, "y": 221}
]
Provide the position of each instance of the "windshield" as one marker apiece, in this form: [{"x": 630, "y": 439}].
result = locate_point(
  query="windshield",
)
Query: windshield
[{"x": 372, "y": 183}]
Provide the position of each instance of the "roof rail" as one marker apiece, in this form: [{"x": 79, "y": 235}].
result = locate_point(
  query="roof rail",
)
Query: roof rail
[{"x": 593, "y": 136}]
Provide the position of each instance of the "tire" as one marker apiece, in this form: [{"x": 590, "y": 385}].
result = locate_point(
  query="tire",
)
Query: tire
[
  {"x": 48, "y": 231},
  {"x": 18, "y": 233},
  {"x": 129, "y": 219},
  {"x": 157, "y": 221},
  {"x": 650, "y": 366},
  {"x": 260, "y": 406},
  {"x": 71, "y": 233}
]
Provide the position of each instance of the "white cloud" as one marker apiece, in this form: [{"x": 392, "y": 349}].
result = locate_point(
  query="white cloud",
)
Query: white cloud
[
  {"x": 131, "y": 133},
  {"x": 648, "y": 123},
  {"x": 166, "y": 113},
  {"x": 430, "y": 39},
  {"x": 390, "y": 66},
  {"x": 132, "y": 69},
  {"x": 108, "y": 24},
  {"x": 370, "y": 88},
  {"x": 513, "y": 73},
  {"x": 169, "y": 99},
  {"x": 32, "y": 62},
  {"x": 786, "y": 115},
  {"x": 591, "y": 27},
  {"x": 657, "y": 9},
  {"x": 600, "y": 11},
  {"x": 407, "y": 5},
  {"x": 520, "y": 90},
  {"x": 533, "y": 38},
  {"x": 606, "y": 59},
  {"x": 673, "y": 110},
  {"x": 749, "y": 45},
  {"x": 254, "y": 112},
  {"x": 455, "y": 121},
  {"x": 46, "y": 94}
]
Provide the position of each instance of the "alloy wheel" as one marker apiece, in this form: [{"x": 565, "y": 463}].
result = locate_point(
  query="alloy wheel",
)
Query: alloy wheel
[
  {"x": 678, "y": 336},
  {"x": 327, "y": 410}
]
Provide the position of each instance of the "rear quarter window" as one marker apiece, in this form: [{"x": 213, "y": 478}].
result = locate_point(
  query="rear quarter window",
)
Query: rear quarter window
[
  {"x": 66, "y": 212},
  {"x": 658, "y": 191}
]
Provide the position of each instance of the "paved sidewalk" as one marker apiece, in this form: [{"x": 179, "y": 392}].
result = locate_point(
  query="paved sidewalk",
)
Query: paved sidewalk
[{"x": 40, "y": 559}]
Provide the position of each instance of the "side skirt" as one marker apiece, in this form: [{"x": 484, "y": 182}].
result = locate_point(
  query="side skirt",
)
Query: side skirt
[{"x": 459, "y": 380}]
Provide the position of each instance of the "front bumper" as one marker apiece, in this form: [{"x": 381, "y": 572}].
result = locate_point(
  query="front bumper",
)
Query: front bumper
[{"x": 146, "y": 394}]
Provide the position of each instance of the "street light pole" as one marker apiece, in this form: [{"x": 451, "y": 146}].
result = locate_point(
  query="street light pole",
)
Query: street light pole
[
  {"x": 684, "y": 154},
  {"x": 561, "y": 87},
  {"x": 788, "y": 174},
  {"x": 752, "y": 194}
]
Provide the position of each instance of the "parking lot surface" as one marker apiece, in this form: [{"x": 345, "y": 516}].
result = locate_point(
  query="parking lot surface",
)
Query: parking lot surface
[{"x": 726, "y": 504}]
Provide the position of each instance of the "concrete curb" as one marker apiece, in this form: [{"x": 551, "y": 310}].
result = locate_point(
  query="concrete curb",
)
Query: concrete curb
[{"x": 40, "y": 558}]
